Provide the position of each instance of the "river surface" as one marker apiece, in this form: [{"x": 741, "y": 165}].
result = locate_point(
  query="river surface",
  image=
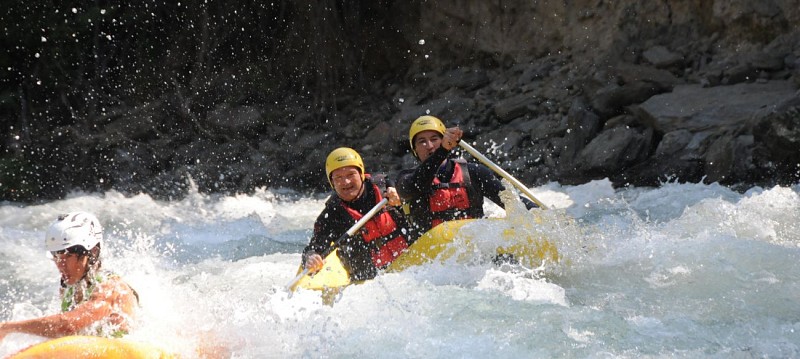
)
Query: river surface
[{"x": 683, "y": 270}]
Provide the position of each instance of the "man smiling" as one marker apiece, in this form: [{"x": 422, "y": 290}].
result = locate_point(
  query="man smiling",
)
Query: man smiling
[
  {"x": 442, "y": 189},
  {"x": 382, "y": 239}
]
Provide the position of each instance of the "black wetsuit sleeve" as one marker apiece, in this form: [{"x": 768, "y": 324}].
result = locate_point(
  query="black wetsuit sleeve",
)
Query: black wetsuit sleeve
[
  {"x": 416, "y": 184},
  {"x": 328, "y": 227},
  {"x": 486, "y": 182}
]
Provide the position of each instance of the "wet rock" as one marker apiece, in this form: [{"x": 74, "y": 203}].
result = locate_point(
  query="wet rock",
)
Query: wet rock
[
  {"x": 673, "y": 142},
  {"x": 582, "y": 126},
  {"x": 500, "y": 141},
  {"x": 695, "y": 108},
  {"x": 661, "y": 57},
  {"x": 511, "y": 108},
  {"x": 615, "y": 149},
  {"x": 233, "y": 119},
  {"x": 740, "y": 73},
  {"x": 465, "y": 79},
  {"x": 612, "y": 99}
]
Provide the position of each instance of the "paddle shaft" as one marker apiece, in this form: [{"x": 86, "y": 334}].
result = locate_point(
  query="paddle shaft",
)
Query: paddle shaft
[
  {"x": 501, "y": 172},
  {"x": 350, "y": 232}
]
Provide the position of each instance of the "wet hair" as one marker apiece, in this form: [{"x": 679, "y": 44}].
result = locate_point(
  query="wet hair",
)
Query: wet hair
[{"x": 94, "y": 256}]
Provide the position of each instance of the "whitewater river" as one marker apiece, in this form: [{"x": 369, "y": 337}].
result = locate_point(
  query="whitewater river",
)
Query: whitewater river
[{"x": 684, "y": 270}]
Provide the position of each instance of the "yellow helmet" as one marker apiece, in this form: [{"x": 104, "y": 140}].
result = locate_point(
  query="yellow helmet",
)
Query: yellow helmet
[
  {"x": 424, "y": 123},
  {"x": 343, "y": 157}
]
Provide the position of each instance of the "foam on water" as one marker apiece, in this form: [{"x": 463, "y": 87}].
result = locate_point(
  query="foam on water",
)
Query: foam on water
[{"x": 680, "y": 270}]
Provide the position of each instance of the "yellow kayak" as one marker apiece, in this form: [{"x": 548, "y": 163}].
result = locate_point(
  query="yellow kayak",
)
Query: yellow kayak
[
  {"x": 89, "y": 347},
  {"x": 527, "y": 247},
  {"x": 332, "y": 275},
  {"x": 518, "y": 240}
]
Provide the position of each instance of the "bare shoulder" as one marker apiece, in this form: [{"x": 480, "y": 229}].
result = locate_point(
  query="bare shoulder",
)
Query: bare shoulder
[{"x": 114, "y": 288}]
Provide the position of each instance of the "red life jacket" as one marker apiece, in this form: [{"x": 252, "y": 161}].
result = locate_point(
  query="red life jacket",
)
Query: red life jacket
[
  {"x": 450, "y": 201},
  {"x": 381, "y": 232}
]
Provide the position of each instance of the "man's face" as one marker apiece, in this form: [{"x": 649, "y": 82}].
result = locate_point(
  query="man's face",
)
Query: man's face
[
  {"x": 347, "y": 182},
  {"x": 426, "y": 142}
]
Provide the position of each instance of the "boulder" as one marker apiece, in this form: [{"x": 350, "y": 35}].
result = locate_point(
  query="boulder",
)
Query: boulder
[
  {"x": 462, "y": 78},
  {"x": 661, "y": 57},
  {"x": 511, "y": 108},
  {"x": 614, "y": 149},
  {"x": 729, "y": 158},
  {"x": 582, "y": 126},
  {"x": 695, "y": 108},
  {"x": 612, "y": 99},
  {"x": 499, "y": 142},
  {"x": 234, "y": 120}
]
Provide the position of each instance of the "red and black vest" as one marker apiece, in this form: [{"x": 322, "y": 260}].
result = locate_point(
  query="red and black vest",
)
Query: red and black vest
[
  {"x": 452, "y": 200},
  {"x": 381, "y": 233},
  {"x": 449, "y": 201}
]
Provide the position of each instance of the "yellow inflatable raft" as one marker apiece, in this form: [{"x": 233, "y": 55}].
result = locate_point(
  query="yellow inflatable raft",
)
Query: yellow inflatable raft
[
  {"x": 88, "y": 347},
  {"x": 520, "y": 241}
]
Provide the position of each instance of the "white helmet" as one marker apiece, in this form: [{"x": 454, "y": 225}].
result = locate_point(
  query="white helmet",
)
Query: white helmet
[{"x": 74, "y": 229}]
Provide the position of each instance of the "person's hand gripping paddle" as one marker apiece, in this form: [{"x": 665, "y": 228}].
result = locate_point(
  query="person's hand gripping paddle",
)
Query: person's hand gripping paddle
[{"x": 292, "y": 286}]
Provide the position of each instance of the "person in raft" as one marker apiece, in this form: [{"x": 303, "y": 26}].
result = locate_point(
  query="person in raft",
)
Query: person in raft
[
  {"x": 441, "y": 188},
  {"x": 382, "y": 239},
  {"x": 93, "y": 302}
]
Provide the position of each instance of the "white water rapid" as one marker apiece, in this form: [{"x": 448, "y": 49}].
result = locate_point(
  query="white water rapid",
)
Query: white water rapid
[{"x": 683, "y": 270}]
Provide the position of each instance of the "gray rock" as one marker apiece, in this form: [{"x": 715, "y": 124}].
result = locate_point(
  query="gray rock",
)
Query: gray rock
[
  {"x": 614, "y": 149},
  {"x": 695, "y": 108},
  {"x": 630, "y": 73},
  {"x": 582, "y": 126},
  {"x": 499, "y": 142},
  {"x": 544, "y": 127},
  {"x": 612, "y": 99},
  {"x": 728, "y": 157},
  {"x": 673, "y": 142},
  {"x": 234, "y": 120},
  {"x": 463, "y": 78},
  {"x": 740, "y": 73},
  {"x": 661, "y": 57},
  {"x": 511, "y": 108}
]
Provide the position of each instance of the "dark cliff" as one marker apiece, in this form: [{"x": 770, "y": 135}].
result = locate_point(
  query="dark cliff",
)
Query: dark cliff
[{"x": 238, "y": 95}]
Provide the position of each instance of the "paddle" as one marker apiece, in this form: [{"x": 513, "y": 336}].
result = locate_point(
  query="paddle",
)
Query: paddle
[
  {"x": 501, "y": 172},
  {"x": 350, "y": 232}
]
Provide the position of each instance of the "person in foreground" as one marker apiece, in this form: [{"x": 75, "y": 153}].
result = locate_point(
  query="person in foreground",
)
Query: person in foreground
[
  {"x": 382, "y": 239},
  {"x": 442, "y": 189},
  {"x": 93, "y": 302}
]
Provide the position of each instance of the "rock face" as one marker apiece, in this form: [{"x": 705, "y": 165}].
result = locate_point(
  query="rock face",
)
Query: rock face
[{"x": 639, "y": 92}]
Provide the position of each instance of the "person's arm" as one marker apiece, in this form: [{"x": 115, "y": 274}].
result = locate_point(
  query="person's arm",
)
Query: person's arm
[
  {"x": 100, "y": 305},
  {"x": 327, "y": 228},
  {"x": 319, "y": 242},
  {"x": 487, "y": 183},
  {"x": 418, "y": 183}
]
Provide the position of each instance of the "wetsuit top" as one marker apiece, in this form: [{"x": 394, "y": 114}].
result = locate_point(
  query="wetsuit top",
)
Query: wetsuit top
[
  {"x": 415, "y": 186},
  {"x": 358, "y": 256},
  {"x": 73, "y": 295}
]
